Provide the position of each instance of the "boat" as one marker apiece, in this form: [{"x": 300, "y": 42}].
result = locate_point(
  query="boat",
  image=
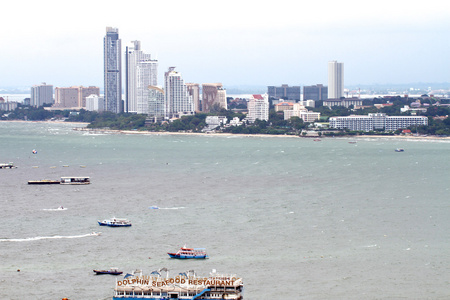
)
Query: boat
[
  {"x": 115, "y": 222},
  {"x": 7, "y": 166},
  {"x": 317, "y": 140},
  {"x": 111, "y": 271},
  {"x": 186, "y": 253},
  {"x": 186, "y": 285},
  {"x": 75, "y": 180},
  {"x": 44, "y": 181},
  {"x": 352, "y": 142},
  {"x": 399, "y": 150}
]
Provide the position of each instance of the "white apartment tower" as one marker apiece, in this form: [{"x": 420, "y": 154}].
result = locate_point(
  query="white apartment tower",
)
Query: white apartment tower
[
  {"x": 258, "y": 108},
  {"x": 335, "y": 80},
  {"x": 178, "y": 101},
  {"x": 140, "y": 73},
  {"x": 156, "y": 103},
  {"x": 41, "y": 94},
  {"x": 112, "y": 70}
]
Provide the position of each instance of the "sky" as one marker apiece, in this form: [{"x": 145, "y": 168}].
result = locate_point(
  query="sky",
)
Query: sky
[{"x": 237, "y": 43}]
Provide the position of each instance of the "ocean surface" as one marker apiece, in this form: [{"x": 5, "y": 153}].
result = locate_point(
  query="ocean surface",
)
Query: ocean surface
[{"x": 295, "y": 218}]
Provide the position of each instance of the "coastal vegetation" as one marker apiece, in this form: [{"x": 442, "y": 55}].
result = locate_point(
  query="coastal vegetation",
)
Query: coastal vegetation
[{"x": 438, "y": 121}]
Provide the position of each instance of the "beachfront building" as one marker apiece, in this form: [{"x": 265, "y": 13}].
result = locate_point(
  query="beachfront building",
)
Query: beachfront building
[
  {"x": 378, "y": 121},
  {"x": 178, "y": 102},
  {"x": 298, "y": 110},
  {"x": 213, "y": 96},
  {"x": 112, "y": 70},
  {"x": 95, "y": 103},
  {"x": 335, "y": 80},
  {"x": 141, "y": 71},
  {"x": 74, "y": 97},
  {"x": 156, "y": 103},
  {"x": 258, "y": 108},
  {"x": 41, "y": 94}
]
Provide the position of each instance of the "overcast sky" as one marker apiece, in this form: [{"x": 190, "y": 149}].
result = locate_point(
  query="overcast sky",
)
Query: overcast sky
[{"x": 232, "y": 42}]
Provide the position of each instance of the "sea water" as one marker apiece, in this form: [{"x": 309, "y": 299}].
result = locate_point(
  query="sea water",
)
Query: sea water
[{"x": 295, "y": 218}]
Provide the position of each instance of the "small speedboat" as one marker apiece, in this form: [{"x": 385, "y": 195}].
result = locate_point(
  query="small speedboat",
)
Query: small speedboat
[
  {"x": 115, "y": 222},
  {"x": 112, "y": 271},
  {"x": 399, "y": 150},
  {"x": 186, "y": 253}
]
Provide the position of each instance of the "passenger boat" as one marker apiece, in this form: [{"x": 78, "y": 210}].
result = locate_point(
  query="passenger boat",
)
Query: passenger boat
[
  {"x": 44, "y": 181},
  {"x": 75, "y": 180},
  {"x": 184, "y": 286},
  {"x": 399, "y": 150},
  {"x": 115, "y": 222},
  {"x": 112, "y": 271},
  {"x": 186, "y": 253}
]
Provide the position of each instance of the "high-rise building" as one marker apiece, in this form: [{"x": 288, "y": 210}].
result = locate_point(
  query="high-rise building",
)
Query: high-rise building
[
  {"x": 156, "y": 103},
  {"x": 140, "y": 73},
  {"x": 112, "y": 70},
  {"x": 315, "y": 92},
  {"x": 213, "y": 95},
  {"x": 285, "y": 92},
  {"x": 335, "y": 80},
  {"x": 74, "y": 97},
  {"x": 194, "y": 91},
  {"x": 41, "y": 94},
  {"x": 258, "y": 108},
  {"x": 178, "y": 101}
]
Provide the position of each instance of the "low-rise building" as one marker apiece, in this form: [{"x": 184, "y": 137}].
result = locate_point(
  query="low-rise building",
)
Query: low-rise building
[
  {"x": 378, "y": 121},
  {"x": 346, "y": 102},
  {"x": 300, "y": 111}
]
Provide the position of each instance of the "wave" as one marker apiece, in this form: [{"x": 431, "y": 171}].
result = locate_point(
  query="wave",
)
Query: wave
[
  {"x": 51, "y": 237},
  {"x": 54, "y": 209}
]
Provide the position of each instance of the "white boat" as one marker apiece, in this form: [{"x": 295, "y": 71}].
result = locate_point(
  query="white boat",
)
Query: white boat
[
  {"x": 399, "y": 150},
  {"x": 115, "y": 222}
]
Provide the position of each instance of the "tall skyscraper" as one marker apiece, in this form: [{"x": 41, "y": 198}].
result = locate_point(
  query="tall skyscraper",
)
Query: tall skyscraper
[
  {"x": 178, "y": 101},
  {"x": 140, "y": 72},
  {"x": 213, "y": 95},
  {"x": 41, "y": 94},
  {"x": 335, "y": 80},
  {"x": 112, "y": 70}
]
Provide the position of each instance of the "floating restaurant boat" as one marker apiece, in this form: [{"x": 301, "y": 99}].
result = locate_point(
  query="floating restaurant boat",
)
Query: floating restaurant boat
[
  {"x": 183, "y": 286},
  {"x": 115, "y": 222},
  {"x": 186, "y": 253},
  {"x": 112, "y": 271}
]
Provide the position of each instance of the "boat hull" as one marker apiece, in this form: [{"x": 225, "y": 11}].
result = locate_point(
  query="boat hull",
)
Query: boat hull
[
  {"x": 113, "y": 225},
  {"x": 44, "y": 182},
  {"x": 100, "y": 272},
  {"x": 180, "y": 256}
]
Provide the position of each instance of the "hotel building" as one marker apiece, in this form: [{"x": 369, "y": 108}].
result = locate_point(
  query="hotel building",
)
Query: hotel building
[
  {"x": 285, "y": 92},
  {"x": 378, "y": 121},
  {"x": 74, "y": 97}
]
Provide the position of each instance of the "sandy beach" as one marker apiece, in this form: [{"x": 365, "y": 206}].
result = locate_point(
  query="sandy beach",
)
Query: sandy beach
[{"x": 112, "y": 131}]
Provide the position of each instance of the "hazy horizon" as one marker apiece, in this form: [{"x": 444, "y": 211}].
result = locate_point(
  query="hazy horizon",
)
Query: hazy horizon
[{"x": 238, "y": 44}]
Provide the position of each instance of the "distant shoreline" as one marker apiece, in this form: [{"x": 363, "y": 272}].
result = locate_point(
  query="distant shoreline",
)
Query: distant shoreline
[{"x": 114, "y": 131}]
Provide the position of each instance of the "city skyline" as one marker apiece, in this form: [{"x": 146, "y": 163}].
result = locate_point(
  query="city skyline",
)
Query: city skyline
[{"x": 245, "y": 44}]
